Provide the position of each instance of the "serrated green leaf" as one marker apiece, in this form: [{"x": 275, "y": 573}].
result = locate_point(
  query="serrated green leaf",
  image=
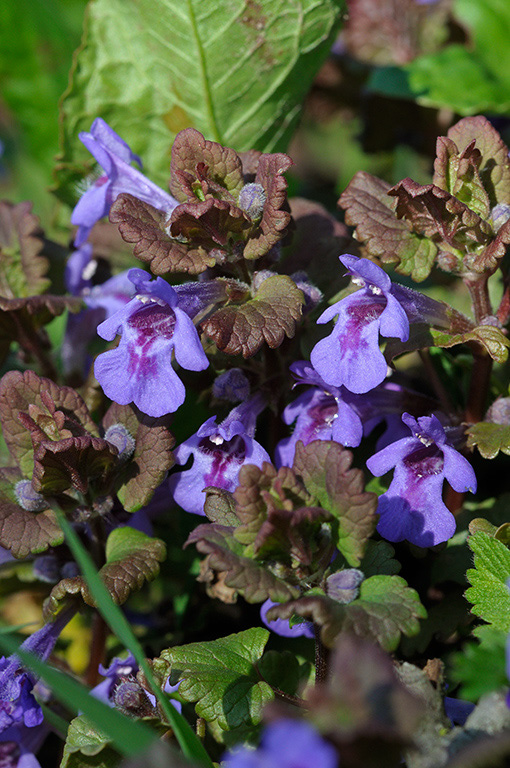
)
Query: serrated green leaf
[
  {"x": 490, "y": 337},
  {"x": 489, "y": 438},
  {"x": 83, "y": 736},
  {"x": 488, "y": 593},
  {"x": 480, "y": 668},
  {"x": 150, "y": 69},
  {"x": 221, "y": 677}
]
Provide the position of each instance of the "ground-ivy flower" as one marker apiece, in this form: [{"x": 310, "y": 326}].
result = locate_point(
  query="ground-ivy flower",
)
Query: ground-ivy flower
[
  {"x": 350, "y": 355},
  {"x": 115, "y": 157},
  {"x": 325, "y": 412},
  {"x": 412, "y": 507},
  {"x": 219, "y": 451},
  {"x": 282, "y": 626},
  {"x": 121, "y": 688},
  {"x": 152, "y": 326},
  {"x": 18, "y": 745},
  {"x": 286, "y": 744},
  {"x": 18, "y": 707}
]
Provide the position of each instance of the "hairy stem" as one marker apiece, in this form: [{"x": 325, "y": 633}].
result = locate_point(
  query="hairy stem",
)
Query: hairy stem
[
  {"x": 288, "y": 698},
  {"x": 479, "y": 291},
  {"x": 321, "y": 657}
]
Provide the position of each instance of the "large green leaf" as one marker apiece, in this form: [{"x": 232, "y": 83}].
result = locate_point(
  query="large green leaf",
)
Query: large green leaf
[
  {"x": 237, "y": 70},
  {"x": 489, "y": 593},
  {"x": 222, "y": 676}
]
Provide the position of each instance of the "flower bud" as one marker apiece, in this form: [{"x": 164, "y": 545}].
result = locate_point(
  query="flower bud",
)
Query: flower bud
[
  {"x": 28, "y": 498},
  {"x": 119, "y": 436},
  {"x": 343, "y": 586},
  {"x": 232, "y": 385},
  {"x": 252, "y": 199}
]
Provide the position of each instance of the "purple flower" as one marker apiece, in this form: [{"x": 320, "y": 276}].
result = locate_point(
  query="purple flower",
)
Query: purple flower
[
  {"x": 286, "y": 744},
  {"x": 18, "y": 706},
  {"x": 350, "y": 355},
  {"x": 120, "y": 687},
  {"x": 218, "y": 451},
  {"x": 102, "y": 301},
  {"x": 333, "y": 413},
  {"x": 282, "y": 626},
  {"x": 114, "y": 156},
  {"x": 18, "y": 745},
  {"x": 412, "y": 507},
  {"x": 140, "y": 369}
]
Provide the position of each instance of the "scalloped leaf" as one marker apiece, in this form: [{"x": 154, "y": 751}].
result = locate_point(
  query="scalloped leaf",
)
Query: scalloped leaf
[
  {"x": 76, "y": 462},
  {"x": 269, "y": 316},
  {"x": 252, "y": 579},
  {"x": 489, "y": 594},
  {"x": 371, "y": 211},
  {"x": 385, "y": 609},
  {"x": 494, "y": 167},
  {"x": 490, "y": 337},
  {"x": 458, "y": 173},
  {"x": 198, "y": 164},
  {"x": 325, "y": 467},
  {"x": 22, "y": 267},
  {"x": 489, "y": 438},
  {"x": 152, "y": 457},
  {"x": 146, "y": 228},
  {"x": 222, "y": 677},
  {"x": 23, "y": 532},
  {"x": 275, "y": 216},
  {"x": 132, "y": 558},
  {"x": 19, "y": 391},
  {"x": 239, "y": 75}
]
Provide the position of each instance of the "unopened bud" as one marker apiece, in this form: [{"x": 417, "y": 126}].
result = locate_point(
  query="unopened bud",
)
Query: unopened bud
[
  {"x": 343, "y": 586},
  {"x": 232, "y": 385},
  {"x": 119, "y": 436},
  {"x": 28, "y": 498},
  {"x": 252, "y": 199}
]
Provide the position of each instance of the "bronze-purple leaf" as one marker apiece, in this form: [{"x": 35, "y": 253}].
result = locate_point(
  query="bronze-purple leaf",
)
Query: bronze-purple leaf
[
  {"x": 203, "y": 168},
  {"x": 74, "y": 462},
  {"x": 371, "y": 211},
  {"x": 38, "y": 397},
  {"x": 326, "y": 471},
  {"x": 253, "y": 580},
  {"x": 209, "y": 224},
  {"x": 269, "y": 316},
  {"x": 275, "y": 216},
  {"x": 145, "y": 227},
  {"x": 21, "y": 531},
  {"x": 146, "y": 469}
]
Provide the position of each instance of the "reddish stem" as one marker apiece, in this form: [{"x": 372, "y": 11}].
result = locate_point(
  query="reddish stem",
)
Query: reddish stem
[{"x": 97, "y": 653}]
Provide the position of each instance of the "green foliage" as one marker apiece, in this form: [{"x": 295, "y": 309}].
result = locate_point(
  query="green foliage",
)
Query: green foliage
[
  {"x": 489, "y": 438},
  {"x": 480, "y": 668},
  {"x": 222, "y": 677},
  {"x": 489, "y": 593},
  {"x": 87, "y": 746},
  {"x": 246, "y": 69}
]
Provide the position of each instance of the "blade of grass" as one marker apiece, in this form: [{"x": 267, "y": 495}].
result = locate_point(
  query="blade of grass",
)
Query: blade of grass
[
  {"x": 128, "y": 736},
  {"x": 190, "y": 744},
  {"x": 57, "y": 723}
]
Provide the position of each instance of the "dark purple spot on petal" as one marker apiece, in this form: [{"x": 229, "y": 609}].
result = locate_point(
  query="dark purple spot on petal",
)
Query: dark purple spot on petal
[{"x": 223, "y": 454}]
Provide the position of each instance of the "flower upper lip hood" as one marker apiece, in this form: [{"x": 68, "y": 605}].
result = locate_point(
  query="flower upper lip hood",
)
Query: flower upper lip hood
[
  {"x": 412, "y": 508},
  {"x": 350, "y": 355},
  {"x": 114, "y": 156},
  {"x": 152, "y": 325}
]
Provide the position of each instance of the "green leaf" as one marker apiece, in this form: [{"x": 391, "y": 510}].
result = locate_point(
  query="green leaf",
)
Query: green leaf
[
  {"x": 490, "y": 337},
  {"x": 489, "y": 438},
  {"x": 379, "y": 559},
  {"x": 480, "y": 668},
  {"x": 325, "y": 467},
  {"x": 385, "y": 609},
  {"x": 83, "y": 737},
  {"x": 238, "y": 75},
  {"x": 221, "y": 676},
  {"x": 270, "y": 315},
  {"x": 22, "y": 267},
  {"x": 132, "y": 558},
  {"x": 478, "y": 79},
  {"x": 488, "y": 593},
  {"x": 370, "y": 209},
  {"x": 119, "y": 625}
]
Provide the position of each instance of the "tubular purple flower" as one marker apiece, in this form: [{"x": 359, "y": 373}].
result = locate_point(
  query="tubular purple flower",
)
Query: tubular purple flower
[
  {"x": 333, "y": 413},
  {"x": 124, "y": 670},
  {"x": 219, "y": 452},
  {"x": 282, "y": 626},
  {"x": 152, "y": 325},
  {"x": 18, "y": 706},
  {"x": 285, "y": 744},
  {"x": 412, "y": 507},
  {"x": 114, "y": 156},
  {"x": 350, "y": 355}
]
